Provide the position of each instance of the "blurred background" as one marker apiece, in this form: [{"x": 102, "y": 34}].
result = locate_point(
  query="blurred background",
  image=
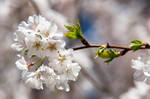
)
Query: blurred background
[{"x": 115, "y": 21}]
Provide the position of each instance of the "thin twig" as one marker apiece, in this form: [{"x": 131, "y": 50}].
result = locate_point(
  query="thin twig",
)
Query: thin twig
[
  {"x": 96, "y": 46},
  {"x": 125, "y": 49},
  {"x": 84, "y": 41}
]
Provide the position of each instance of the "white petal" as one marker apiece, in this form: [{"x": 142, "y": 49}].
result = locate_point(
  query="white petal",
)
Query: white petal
[
  {"x": 34, "y": 83},
  {"x": 21, "y": 64},
  {"x": 17, "y": 46}
]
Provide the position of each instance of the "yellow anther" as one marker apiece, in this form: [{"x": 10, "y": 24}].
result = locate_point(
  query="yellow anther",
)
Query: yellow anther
[
  {"x": 52, "y": 47},
  {"x": 37, "y": 45},
  {"x": 38, "y": 75},
  {"x": 46, "y": 33}
]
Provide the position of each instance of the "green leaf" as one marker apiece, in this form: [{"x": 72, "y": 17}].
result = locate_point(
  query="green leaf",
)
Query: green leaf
[
  {"x": 70, "y": 28},
  {"x": 71, "y": 35},
  {"x": 136, "y": 44},
  {"x": 75, "y": 31}
]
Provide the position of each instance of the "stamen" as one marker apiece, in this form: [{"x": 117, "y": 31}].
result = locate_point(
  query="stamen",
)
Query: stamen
[
  {"x": 37, "y": 45},
  {"x": 46, "y": 33},
  {"x": 38, "y": 75},
  {"x": 52, "y": 46}
]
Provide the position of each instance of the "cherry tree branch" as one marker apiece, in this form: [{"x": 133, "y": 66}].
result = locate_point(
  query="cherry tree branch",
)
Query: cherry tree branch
[{"x": 123, "y": 48}]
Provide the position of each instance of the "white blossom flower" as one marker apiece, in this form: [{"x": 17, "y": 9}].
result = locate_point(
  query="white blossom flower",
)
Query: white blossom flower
[
  {"x": 142, "y": 70},
  {"x": 52, "y": 46},
  {"x": 36, "y": 79},
  {"x": 65, "y": 69},
  {"x": 64, "y": 57},
  {"x": 19, "y": 44},
  {"x": 35, "y": 34},
  {"x": 62, "y": 83},
  {"x": 72, "y": 71},
  {"x": 43, "y": 58}
]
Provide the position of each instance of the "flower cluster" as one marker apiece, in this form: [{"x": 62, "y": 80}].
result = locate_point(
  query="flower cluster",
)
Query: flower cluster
[
  {"x": 142, "y": 70},
  {"x": 43, "y": 58}
]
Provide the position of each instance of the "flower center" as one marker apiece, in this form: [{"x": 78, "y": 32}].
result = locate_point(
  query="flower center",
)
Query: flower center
[
  {"x": 68, "y": 70},
  {"x": 52, "y": 46},
  {"x": 62, "y": 58},
  {"x": 37, "y": 45},
  {"x": 46, "y": 33}
]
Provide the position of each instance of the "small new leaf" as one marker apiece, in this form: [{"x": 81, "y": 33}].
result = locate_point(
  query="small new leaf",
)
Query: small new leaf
[
  {"x": 109, "y": 55},
  {"x": 100, "y": 51},
  {"x": 75, "y": 32},
  {"x": 71, "y": 35},
  {"x": 112, "y": 54},
  {"x": 70, "y": 28},
  {"x": 136, "y": 44}
]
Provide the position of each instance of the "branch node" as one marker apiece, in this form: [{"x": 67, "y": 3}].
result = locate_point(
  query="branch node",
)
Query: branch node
[
  {"x": 84, "y": 42},
  {"x": 105, "y": 45},
  {"x": 123, "y": 52},
  {"x": 146, "y": 45}
]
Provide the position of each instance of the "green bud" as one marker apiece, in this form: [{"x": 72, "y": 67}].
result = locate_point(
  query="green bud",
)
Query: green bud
[
  {"x": 109, "y": 55},
  {"x": 75, "y": 32},
  {"x": 136, "y": 44}
]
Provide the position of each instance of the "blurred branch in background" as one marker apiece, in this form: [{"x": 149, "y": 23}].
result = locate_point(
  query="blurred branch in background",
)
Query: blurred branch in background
[
  {"x": 35, "y": 6},
  {"x": 95, "y": 83}
]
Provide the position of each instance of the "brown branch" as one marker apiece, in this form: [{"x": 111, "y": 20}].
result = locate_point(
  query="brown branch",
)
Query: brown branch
[
  {"x": 84, "y": 41},
  {"x": 96, "y": 46},
  {"x": 123, "y": 52}
]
